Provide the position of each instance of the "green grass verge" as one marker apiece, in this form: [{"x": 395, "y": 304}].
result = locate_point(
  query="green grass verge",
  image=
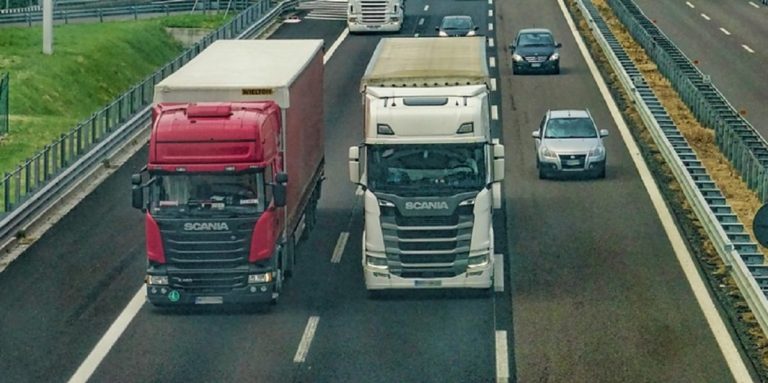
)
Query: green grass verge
[{"x": 91, "y": 65}]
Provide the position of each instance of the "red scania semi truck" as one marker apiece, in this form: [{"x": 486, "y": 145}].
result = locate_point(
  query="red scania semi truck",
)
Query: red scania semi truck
[{"x": 235, "y": 168}]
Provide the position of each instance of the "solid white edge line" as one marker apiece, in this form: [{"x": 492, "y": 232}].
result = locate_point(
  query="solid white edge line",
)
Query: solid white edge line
[
  {"x": 498, "y": 273},
  {"x": 502, "y": 357},
  {"x": 722, "y": 337},
  {"x": 725, "y": 31},
  {"x": 335, "y": 45},
  {"x": 306, "y": 339},
  {"x": 688, "y": 3},
  {"x": 747, "y": 48},
  {"x": 494, "y": 112},
  {"x": 341, "y": 243},
  {"x": 704, "y": 15},
  {"x": 492, "y": 62},
  {"x": 92, "y": 362},
  {"x": 754, "y": 5},
  {"x": 493, "y": 84}
]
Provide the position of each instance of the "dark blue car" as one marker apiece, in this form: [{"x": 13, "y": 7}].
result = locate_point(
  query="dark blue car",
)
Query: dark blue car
[{"x": 535, "y": 50}]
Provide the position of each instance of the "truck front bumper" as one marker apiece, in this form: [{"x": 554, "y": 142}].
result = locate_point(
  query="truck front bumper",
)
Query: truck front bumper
[
  {"x": 170, "y": 296},
  {"x": 384, "y": 27},
  {"x": 474, "y": 278}
]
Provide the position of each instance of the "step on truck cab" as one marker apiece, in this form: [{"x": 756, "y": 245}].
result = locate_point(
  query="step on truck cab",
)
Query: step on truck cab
[
  {"x": 428, "y": 168},
  {"x": 235, "y": 168}
]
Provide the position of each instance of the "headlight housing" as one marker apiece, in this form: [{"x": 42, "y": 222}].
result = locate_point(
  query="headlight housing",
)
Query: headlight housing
[
  {"x": 377, "y": 262},
  {"x": 260, "y": 278},
  {"x": 517, "y": 58},
  {"x": 554, "y": 56},
  {"x": 479, "y": 260},
  {"x": 597, "y": 151},
  {"x": 547, "y": 153},
  {"x": 161, "y": 280},
  {"x": 471, "y": 33},
  {"x": 443, "y": 34}
]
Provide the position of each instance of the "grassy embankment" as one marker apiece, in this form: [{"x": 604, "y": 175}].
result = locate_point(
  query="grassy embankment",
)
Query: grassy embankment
[{"x": 91, "y": 65}]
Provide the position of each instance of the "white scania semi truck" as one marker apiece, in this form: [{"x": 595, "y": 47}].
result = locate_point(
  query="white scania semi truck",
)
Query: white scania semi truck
[
  {"x": 375, "y": 15},
  {"x": 428, "y": 168}
]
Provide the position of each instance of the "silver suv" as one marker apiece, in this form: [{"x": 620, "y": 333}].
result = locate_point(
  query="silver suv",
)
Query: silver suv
[{"x": 569, "y": 141}]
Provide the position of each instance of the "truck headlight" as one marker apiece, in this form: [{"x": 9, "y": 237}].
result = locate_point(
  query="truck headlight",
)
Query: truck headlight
[
  {"x": 377, "y": 262},
  {"x": 352, "y": 19},
  {"x": 260, "y": 278},
  {"x": 478, "y": 261},
  {"x": 548, "y": 153},
  {"x": 517, "y": 58},
  {"x": 157, "y": 280}
]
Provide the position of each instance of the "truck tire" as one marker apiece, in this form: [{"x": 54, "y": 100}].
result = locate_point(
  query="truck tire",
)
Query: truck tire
[{"x": 290, "y": 257}]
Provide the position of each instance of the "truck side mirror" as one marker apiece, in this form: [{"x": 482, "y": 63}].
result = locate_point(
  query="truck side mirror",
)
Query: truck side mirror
[
  {"x": 354, "y": 164},
  {"x": 498, "y": 162},
  {"x": 278, "y": 189},
  {"x": 137, "y": 197}
]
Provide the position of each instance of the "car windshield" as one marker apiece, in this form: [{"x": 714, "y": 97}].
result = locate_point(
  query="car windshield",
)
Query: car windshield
[
  {"x": 207, "y": 194},
  {"x": 570, "y": 128},
  {"x": 441, "y": 169},
  {"x": 457, "y": 23},
  {"x": 536, "y": 39}
]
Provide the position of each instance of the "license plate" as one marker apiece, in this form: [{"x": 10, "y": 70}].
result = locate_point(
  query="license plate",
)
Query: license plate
[
  {"x": 572, "y": 162},
  {"x": 427, "y": 283},
  {"x": 209, "y": 300},
  {"x": 535, "y": 65}
]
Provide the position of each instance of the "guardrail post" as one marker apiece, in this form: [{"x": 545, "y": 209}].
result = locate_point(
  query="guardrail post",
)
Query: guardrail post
[
  {"x": 101, "y": 15},
  {"x": 66, "y": 17},
  {"x": 46, "y": 162},
  {"x": 135, "y": 13},
  {"x": 7, "y": 192},
  {"x": 37, "y": 170},
  {"x": 63, "y": 150},
  {"x": 27, "y": 175},
  {"x": 17, "y": 185},
  {"x": 79, "y": 139}
]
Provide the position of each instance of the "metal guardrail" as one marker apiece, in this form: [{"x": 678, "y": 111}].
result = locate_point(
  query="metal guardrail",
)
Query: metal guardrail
[
  {"x": 36, "y": 15},
  {"x": 732, "y": 243},
  {"x": 744, "y": 147},
  {"x": 35, "y": 185}
]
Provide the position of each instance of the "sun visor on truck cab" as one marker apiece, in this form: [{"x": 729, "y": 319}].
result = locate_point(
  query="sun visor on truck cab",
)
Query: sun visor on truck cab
[
  {"x": 235, "y": 70},
  {"x": 427, "y": 62}
]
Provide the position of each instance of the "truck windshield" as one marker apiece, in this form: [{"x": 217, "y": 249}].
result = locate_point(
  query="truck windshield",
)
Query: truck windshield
[
  {"x": 207, "y": 194},
  {"x": 436, "y": 168}
]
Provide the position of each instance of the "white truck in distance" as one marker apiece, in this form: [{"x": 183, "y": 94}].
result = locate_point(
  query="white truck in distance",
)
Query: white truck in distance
[
  {"x": 429, "y": 169},
  {"x": 375, "y": 15}
]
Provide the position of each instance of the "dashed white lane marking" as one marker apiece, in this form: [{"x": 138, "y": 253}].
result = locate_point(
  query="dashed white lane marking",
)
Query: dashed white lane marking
[
  {"x": 725, "y": 31},
  {"x": 492, "y": 62},
  {"x": 502, "y": 357},
  {"x": 685, "y": 259},
  {"x": 335, "y": 45},
  {"x": 688, "y": 3},
  {"x": 754, "y": 5},
  {"x": 494, "y": 112},
  {"x": 490, "y": 42},
  {"x": 490, "y": 2},
  {"x": 704, "y": 15},
  {"x": 490, "y": 13},
  {"x": 493, "y": 84},
  {"x": 747, "y": 48},
  {"x": 109, "y": 339},
  {"x": 426, "y": 8},
  {"x": 498, "y": 273},
  {"x": 421, "y": 21},
  {"x": 490, "y": 27},
  {"x": 306, "y": 339},
  {"x": 341, "y": 243}
]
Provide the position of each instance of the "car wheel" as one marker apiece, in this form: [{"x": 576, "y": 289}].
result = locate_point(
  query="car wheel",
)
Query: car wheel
[
  {"x": 556, "y": 70},
  {"x": 601, "y": 174},
  {"x": 542, "y": 174},
  {"x": 514, "y": 70}
]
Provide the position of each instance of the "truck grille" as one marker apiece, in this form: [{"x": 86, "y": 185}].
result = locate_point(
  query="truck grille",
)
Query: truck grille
[
  {"x": 427, "y": 246},
  {"x": 374, "y": 11},
  {"x": 207, "y": 261}
]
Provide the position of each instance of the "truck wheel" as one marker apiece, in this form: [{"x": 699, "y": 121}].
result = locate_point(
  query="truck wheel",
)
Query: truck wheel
[
  {"x": 290, "y": 257},
  {"x": 375, "y": 294}
]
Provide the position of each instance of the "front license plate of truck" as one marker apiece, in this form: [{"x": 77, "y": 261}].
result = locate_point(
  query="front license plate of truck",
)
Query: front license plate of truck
[
  {"x": 209, "y": 300},
  {"x": 427, "y": 283}
]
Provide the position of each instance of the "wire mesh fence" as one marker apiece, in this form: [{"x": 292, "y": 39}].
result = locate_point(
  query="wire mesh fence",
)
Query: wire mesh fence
[{"x": 4, "y": 103}]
